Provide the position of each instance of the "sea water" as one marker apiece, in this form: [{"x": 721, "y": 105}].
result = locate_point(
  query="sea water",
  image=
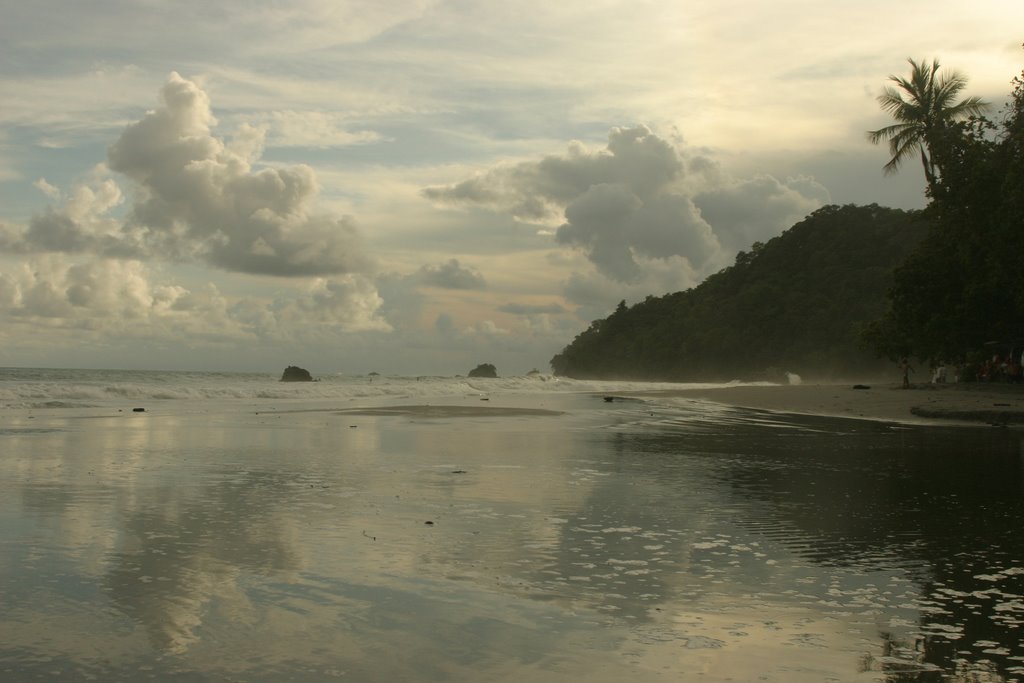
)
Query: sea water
[
  {"x": 238, "y": 528},
  {"x": 43, "y": 388}
]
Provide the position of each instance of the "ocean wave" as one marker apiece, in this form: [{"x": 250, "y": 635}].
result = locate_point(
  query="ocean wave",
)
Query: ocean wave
[{"x": 66, "y": 388}]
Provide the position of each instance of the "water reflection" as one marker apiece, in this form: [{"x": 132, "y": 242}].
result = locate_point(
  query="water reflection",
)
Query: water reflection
[
  {"x": 177, "y": 554},
  {"x": 943, "y": 503},
  {"x": 269, "y": 546}
]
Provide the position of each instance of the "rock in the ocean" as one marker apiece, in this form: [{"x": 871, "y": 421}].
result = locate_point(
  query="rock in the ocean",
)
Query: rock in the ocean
[
  {"x": 484, "y": 370},
  {"x": 293, "y": 373}
]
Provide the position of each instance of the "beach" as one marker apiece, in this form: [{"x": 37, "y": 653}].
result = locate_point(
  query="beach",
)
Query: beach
[
  {"x": 430, "y": 529},
  {"x": 967, "y": 404}
]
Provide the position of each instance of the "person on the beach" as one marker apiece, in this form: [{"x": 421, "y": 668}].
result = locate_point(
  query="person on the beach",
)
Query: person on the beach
[{"x": 905, "y": 367}]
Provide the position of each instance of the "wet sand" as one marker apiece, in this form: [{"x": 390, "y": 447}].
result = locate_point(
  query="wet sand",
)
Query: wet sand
[
  {"x": 922, "y": 403},
  {"x": 448, "y": 411},
  {"x": 550, "y": 538}
]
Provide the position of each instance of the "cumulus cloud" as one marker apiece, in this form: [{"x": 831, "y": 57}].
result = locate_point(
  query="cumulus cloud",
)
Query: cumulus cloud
[
  {"x": 632, "y": 204},
  {"x": 198, "y": 198},
  {"x": 122, "y": 299},
  {"x": 614, "y": 226},
  {"x": 46, "y": 188},
  {"x": 108, "y": 294},
  {"x": 617, "y": 203},
  {"x": 350, "y": 302},
  {"x": 451, "y": 275},
  {"x": 634, "y": 158}
]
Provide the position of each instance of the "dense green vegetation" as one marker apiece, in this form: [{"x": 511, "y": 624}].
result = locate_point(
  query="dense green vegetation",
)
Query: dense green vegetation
[
  {"x": 796, "y": 303},
  {"x": 850, "y": 285},
  {"x": 963, "y": 289}
]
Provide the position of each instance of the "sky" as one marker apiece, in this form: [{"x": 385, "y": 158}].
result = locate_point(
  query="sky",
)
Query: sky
[{"x": 418, "y": 187}]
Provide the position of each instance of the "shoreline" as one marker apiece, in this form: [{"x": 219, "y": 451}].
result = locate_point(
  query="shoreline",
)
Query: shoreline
[{"x": 960, "y": 404}]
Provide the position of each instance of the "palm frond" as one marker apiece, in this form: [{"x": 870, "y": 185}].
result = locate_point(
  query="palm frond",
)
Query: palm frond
[
  {"x": 921, "y": 103},
  {"x": 887, "y": 133},
  {"x": 972, "y": 106}
]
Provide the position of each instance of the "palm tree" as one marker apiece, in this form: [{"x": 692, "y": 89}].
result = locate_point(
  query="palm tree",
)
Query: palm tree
[{"x": 923, "y": 106}]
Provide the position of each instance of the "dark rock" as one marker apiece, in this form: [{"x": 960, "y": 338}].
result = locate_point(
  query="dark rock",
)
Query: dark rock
[
  {"x": 138, "y": 410},
  {"x": 484, "y": 370},
  {"x": 861, "y": 386},
  {"x": 293, "y": 373}
]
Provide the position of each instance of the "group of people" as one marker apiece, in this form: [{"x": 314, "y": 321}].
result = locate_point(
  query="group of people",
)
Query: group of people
[
  {"x": 1007, "y": 367},
  {"x": 1001, "y": 368}
]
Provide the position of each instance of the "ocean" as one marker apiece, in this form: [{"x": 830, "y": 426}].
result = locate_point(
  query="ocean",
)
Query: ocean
[
  {"x": 42, "y": 388},
  {"x": 209, "y": 527}
]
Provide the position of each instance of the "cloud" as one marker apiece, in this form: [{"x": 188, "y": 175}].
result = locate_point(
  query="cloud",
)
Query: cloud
[
  {"x": 484, "y": 328},
  {"x": 617, "y": 203},
  {"x": 112, "y": 295},
  {"x": 445, "y": 326},
  {"x": 614, "y": 225},
  {"x": 451, "y": 275},
  {"x": 596, "y": 294},
  {"x": 349, "y": 303},
  {"x": 759, "y": 208},
  {"x": 639, "y": 202},
  {"x": 46, "y": 188},
  {"x": 318, "y": 129},
  {"x": 119, "y": 300},
  {"x": 528, "y": 309},
  {"x": 197, "y": 198},
  {"x": 200, "y": 196},
  {"x": 634, "y": 159}
]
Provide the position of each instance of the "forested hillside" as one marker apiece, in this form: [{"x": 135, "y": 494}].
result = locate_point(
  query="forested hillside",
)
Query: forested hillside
[{"x": 798, "y": 303}]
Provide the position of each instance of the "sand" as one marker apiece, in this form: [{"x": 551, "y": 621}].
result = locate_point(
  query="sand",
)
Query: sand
[
  {"x": 448, "y": 411},
  {"x": 925, "y": 403}
]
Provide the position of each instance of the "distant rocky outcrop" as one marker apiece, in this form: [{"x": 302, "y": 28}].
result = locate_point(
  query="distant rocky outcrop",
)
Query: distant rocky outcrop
[
  {"x": 484, "y": 370},
  {"x": 294, "y": 373}
]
